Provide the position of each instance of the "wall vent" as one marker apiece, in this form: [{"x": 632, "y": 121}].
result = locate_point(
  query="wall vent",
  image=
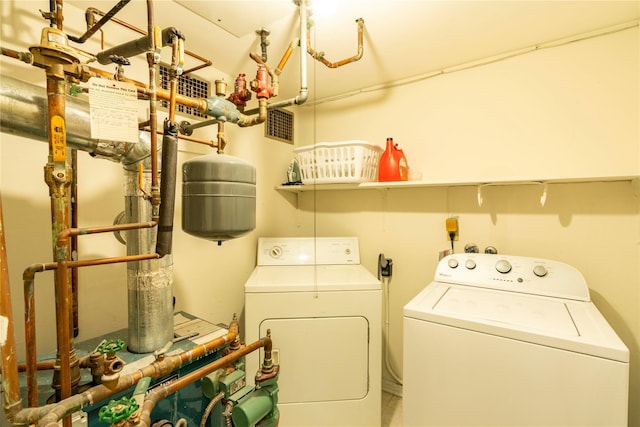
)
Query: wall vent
[
  {"x": 279, "y": 125},
  {"x": 188, "y": 85}
]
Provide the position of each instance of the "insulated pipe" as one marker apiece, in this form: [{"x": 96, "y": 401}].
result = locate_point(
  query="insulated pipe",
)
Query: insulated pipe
[
  {"x": 149, "y": 283},
  {"x": 170, "y": 153},
  {"x": 23, "y": 111},
  {"x": 205, "y": 61},
  {"x": 167, "y": 188},
  {"x": 138, "y": 46}
]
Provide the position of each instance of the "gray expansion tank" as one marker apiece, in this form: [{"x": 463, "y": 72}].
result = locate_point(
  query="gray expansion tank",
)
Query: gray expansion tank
[{"x": 218, "y": 197}]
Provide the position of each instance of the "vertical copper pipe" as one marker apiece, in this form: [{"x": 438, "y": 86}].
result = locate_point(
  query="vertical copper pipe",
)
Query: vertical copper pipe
[
  {"x": 59, "y": 15},
  {"x": 57, "y": 176},
  {"x": 28, "y": 277},
  {"x": 174, "y": 79},
  {"x": 153, "y": 117},
  {"x": 11, "y": 391},
  {"x": 74, "y": 241}
]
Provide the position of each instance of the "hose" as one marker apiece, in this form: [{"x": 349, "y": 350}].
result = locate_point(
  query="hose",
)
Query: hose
[
  {"x": 396, "y": 377},
  {"x": 227, "y": 414},
  {"x": 209, "y": 408}
]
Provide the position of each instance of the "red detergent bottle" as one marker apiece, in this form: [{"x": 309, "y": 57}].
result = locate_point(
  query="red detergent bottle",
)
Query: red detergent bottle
[{"x": 393, "y": 164}]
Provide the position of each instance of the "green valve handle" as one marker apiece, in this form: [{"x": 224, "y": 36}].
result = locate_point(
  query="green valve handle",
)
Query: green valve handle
[
  {"x": 118, "y": 410},
  {"x": 110, "y": 346}
]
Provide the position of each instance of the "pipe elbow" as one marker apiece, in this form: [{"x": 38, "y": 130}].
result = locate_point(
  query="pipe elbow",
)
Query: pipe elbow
[
  {"x": 302, "y": 97},
  {"x": 29, "y": 273}
]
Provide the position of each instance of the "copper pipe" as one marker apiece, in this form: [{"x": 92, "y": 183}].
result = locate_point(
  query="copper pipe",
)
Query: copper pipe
[
  {"x": 74, "y": 241},
  {"x": 105, "y": 18},
  {"x": 159, "y": 393},
  {"x": 205, "y": 61},
  {"x": 12, "y": 402},
  {"x": 175, "y": 53},
  {"x": 59, "y": 16},
  {"x": 57, "y": 176},
  {"x": 69, "y": 232},
  {"x": 199, "y": 104},
  {"x": 285, "y": 57},
  {"x": 320, "y": 55},
  {"x": 259, "y": 118},
  {"x": 28, "y": 277},
  {"x": 193, "y": 139},
  {"x": 113, "y": 260},
  {"x": 21, "y": 56},
  {"x": 153, "y": 117},
  {"x": 63, "y": 305},
  {"x": 32, "y": 366},
  {"x": 48, "y": 416},
  {"x": 43, "y": 365},
  {"x": 69, "y": 374}
]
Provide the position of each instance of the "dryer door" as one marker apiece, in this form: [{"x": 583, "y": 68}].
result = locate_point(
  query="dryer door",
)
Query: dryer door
[{"x": 322, "y": 358}]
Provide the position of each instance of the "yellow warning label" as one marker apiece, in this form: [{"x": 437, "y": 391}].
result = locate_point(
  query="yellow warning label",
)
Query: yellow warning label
[{"x": 58, "y": 139}]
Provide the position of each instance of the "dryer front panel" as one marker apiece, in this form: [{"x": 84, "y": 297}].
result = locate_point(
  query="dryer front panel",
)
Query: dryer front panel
[{"x": 323, "y": 359}]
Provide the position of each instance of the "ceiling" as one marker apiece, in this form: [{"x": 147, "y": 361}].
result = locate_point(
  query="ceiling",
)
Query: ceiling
[{"x": 402, "y": 38}]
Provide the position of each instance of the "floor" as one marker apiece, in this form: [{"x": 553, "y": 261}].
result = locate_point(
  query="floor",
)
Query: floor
[{"x": 391, "y": 410}]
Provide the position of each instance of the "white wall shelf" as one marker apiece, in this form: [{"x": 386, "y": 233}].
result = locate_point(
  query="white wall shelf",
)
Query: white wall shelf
[{"x": 449, "y": 183}]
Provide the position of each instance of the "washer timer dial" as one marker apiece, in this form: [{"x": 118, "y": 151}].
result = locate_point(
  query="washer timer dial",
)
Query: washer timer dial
[{"x": 503, "y": 266}]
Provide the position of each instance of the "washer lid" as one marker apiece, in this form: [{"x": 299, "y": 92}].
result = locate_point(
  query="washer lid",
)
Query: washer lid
[
  {"x": 513, "y": 310},
  {"x": 565, "y": 324},
  {"x": 311, "y": 278}
]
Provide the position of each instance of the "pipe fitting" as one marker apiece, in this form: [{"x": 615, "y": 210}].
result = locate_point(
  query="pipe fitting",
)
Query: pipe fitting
[
  {"x": 96, "y": 365},
  {"x": 261, "y": 83}
]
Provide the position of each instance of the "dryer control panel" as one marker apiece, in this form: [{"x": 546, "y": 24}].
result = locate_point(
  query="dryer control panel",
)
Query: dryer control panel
[
  {"x": 308, "y": 251},
  {"x": 514, "y": 273}
]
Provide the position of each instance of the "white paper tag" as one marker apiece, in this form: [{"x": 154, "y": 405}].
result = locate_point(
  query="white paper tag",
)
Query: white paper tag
[{"x": 113, "y": 109}]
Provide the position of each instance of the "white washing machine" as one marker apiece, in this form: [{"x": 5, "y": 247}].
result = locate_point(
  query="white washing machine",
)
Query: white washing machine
[
  {"x": 504, "y": 341},
  {"x": 324, "y": 312}
]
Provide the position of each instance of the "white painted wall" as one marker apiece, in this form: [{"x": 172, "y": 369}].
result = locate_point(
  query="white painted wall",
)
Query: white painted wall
[
  {"x": 564, "y": 112},
  {"x": 570, "y": 111}
]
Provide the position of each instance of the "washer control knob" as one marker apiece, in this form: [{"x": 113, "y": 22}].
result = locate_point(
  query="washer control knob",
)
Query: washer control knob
[
  {"x": 452, "y": 263},
  {"x": 503, "y": 266},
  {"x": 470, "y": 264},
  {"x": 540, "y": 270}
]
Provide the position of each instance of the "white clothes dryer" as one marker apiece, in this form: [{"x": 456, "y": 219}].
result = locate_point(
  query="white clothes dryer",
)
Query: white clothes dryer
[
  {"x": 323, "y": 309},
  {"x": 503, "y": 340}
]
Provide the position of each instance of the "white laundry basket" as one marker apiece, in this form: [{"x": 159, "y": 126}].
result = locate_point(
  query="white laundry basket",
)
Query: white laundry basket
[{"x": 338, "y": 162}]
